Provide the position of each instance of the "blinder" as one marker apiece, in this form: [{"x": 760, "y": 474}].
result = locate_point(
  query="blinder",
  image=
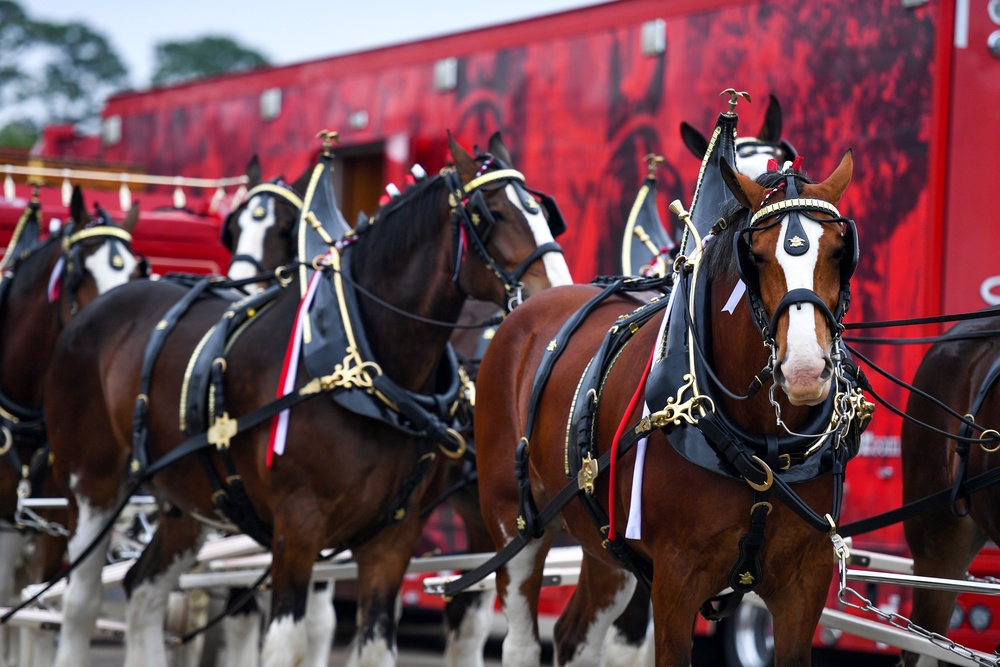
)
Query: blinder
[{"x": 469, "y": 209}]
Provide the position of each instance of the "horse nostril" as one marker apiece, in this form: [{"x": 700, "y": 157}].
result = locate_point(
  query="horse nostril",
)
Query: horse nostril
[
  {"x": 827, "y": 370},
  {"x": 778, "y": 375}
]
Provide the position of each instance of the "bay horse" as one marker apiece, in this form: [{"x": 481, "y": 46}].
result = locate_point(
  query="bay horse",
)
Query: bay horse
[
  {"x": 547, "y": 402},
  {"x": 338, "y": 477},
  {"x": 44, "y": 282},
  {"x": 961, "y": 371}
]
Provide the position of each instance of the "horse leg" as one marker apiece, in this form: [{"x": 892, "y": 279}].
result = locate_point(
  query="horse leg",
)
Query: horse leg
[
  {"x": 382, "y": 562},
  {"x": 602, "y": 594},
  {"x": 173, "y": 549},
  {"x": 297, "y": 537},
  {"x": 519, "y": 583},
  {"x": 84, "y": 592},
  {"x": 626, "y": 643},
  {"x": 468, "y": 616},
  {"x": 241, "y": 629},
  {"x": 796, "y": 600},
  {"x": 12, "y": 545},
  {"x": 321, "y": 622},
  {"x": 944, "y": 546}
]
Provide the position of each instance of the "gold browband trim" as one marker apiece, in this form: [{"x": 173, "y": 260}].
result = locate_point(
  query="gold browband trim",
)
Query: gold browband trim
[
  {"x": 99, "y": 230},
  {"x": 797, "y": 203},
  {"x": 491, "y": 176},
  {"x": 284, "y": 193}
]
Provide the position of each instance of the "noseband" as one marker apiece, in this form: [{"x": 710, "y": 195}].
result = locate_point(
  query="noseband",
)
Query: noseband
[
  {"x": 276, "y": 188},
  {"x": 469, "y": 209},
  {"x": 795, "y": 243}
]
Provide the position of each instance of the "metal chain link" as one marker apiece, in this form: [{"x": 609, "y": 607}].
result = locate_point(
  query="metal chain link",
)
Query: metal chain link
[
  {"x": 25, "y": 517},
  {"x": 863, "y": 604}
]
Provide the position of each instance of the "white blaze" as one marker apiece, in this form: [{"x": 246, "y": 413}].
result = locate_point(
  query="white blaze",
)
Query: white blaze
[
  {"x": 554, "y": 262},
  {"x": 106, "y": 275}
]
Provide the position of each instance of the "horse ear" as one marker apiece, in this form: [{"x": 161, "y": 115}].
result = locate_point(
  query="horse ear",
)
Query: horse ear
[
  {"x": 253, "y": 172},
  {"x": 499, "y": 148},
  {"x": 77, "y": 208},
  {"x": 770, "y": 131},
  {"x": 464, "y": 163},
  {"x": 131, "y": 218},
  {"x": 746, "y": 191},
  {"x": 694, "y": 140},
  {"x": 832, "y": 189}
]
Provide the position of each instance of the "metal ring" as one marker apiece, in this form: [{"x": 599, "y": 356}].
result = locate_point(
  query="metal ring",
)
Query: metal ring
[
  {"x": 982, "y": 438},
  {"x": 8, "y": 440},
  {"x": 460, "y": 450},
  {"x": 761, "y": 504},
  {"x": 767, "y": 483},
  {"x": 280, "y": 275}
]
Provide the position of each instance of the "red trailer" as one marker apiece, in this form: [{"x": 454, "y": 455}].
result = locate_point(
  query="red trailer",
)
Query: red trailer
[{"x": 581, "y": 96}]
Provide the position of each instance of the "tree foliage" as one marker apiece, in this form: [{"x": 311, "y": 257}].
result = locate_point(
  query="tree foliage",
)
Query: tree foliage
[
  {"x": 53, "y": 72},
  {"x": 177, "y": 62},
  {"x": 82, "y": 70}
]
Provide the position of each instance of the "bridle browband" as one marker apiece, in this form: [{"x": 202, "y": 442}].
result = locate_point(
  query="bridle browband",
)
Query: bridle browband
[{"x": 471, "y": 215}]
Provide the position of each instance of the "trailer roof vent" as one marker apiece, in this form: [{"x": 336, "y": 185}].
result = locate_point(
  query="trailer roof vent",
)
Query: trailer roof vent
[
  {"x": 654, "y": 37},
  {"x": 446, "y": 75},
  {"x": 111, "y": 130},
  {"x": 270, "y": 104}
]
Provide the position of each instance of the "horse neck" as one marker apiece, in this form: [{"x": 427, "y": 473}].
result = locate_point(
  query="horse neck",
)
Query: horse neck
[
  {"x": 29, "y": 326},
  {"x": 737, "y": 355},
  {"x": 418, "y": 282}
]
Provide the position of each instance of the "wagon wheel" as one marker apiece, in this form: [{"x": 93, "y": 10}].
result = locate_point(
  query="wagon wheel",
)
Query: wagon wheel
[{"x": 748, "y": 638}]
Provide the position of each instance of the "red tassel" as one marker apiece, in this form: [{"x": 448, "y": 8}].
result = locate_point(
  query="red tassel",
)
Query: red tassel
[
  {"x": 772, "y": 165},
  {"x": 797, "y": 163}
]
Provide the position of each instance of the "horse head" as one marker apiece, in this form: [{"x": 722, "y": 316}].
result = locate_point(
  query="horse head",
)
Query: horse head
[
  {"x": 752, "y": 153},
  {"x": 258, "y": 232},
  {"x": 796, "y": 256},
  {"x": 95, "y": 256},
  {"x": 510, "y": 226}
]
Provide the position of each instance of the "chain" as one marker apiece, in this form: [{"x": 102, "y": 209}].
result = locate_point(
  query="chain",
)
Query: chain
[
  {"x": 28, "y": 518},
  {"x": 25, "y": 517},
  {"x": 849, "y": 597}
]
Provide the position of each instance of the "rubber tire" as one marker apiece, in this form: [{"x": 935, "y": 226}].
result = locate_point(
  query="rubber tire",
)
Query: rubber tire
[{"x": 748, "y": 638}]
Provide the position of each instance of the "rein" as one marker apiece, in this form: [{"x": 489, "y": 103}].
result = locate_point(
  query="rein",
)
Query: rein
[{"x": 493, "y": 321}]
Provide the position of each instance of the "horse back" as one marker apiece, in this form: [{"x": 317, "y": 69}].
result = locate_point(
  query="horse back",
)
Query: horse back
[{"x": 959, "y": 372}]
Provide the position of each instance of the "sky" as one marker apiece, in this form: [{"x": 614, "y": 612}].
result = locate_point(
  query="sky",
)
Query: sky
[{"x": 284, "y": 31}]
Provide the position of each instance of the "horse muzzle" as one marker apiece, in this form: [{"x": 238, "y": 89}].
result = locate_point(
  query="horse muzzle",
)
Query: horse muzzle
[{"x": 805, "y": 379}]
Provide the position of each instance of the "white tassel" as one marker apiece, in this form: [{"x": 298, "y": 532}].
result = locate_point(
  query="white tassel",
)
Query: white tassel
[
  {"x": 216, "y": 200},
  {"x": 124, "y": 195},
  {"x": 179, "y": 199},
  {"x": 8, "y": 188},
  {"x": 67, "y": 191}
]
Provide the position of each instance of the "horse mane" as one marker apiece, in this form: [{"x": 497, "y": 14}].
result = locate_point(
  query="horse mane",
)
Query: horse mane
[
  {"x": 720, "y": 253},
  {"x": 399, "y": 225}
]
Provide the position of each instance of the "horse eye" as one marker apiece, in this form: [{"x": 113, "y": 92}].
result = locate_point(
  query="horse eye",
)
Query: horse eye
[
  {"x": 837, "y": 254},
  {"x": 757, "y": 259}
]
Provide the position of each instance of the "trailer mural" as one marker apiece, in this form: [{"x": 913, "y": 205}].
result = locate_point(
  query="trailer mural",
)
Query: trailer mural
[{"x": 585, "y": 94}]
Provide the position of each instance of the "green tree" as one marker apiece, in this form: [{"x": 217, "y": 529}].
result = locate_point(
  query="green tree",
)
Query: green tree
[
  {"x": 81, "y": 71},
  {"x": 51, "y": 72},
  {"x": 16, "y": 35},
  {"x": 177, "y": 62},
  {"x": 19, "y": 134}
]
